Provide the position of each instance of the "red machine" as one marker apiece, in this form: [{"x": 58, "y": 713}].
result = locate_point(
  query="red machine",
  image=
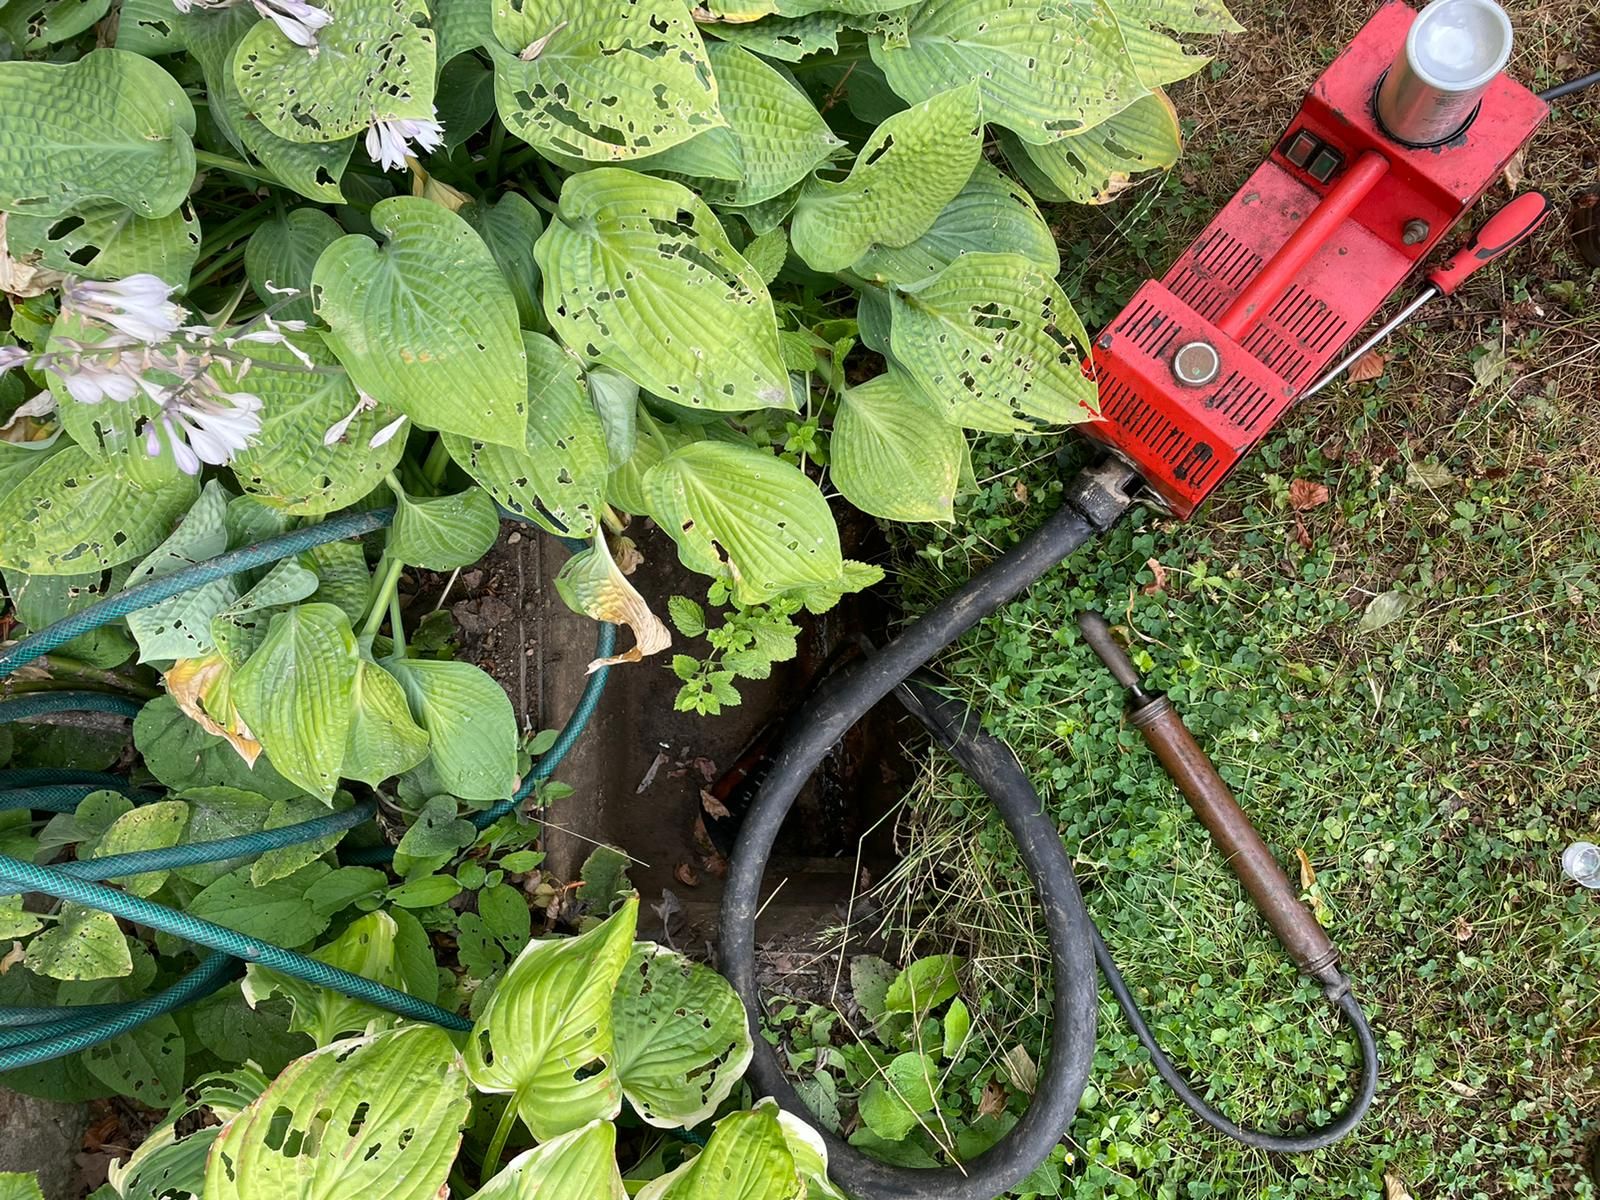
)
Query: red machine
[{"x": 1201, "y": 363}]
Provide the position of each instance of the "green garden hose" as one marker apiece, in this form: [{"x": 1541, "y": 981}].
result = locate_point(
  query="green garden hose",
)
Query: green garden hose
[{"x": 33, "y": 1034}]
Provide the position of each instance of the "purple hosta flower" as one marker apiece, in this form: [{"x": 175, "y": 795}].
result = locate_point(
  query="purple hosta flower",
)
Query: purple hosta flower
[
  {"x": 204, "y": 424},
  {"x": 91, "y": 379},
  {"x": 11, "y": 356},
  {"x": 298, "y": 20},
  {"x": 140, "y": 306},
  {"x": 387, "y": 140},
  {"x": 336, "y": 431},
  {"x": 388, "y": 431}
]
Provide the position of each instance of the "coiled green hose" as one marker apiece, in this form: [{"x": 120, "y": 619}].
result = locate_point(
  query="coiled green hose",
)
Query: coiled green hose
[{"x": 31, "y": 1035}]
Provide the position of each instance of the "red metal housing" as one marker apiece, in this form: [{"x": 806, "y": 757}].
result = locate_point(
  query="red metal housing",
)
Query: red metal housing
[{"x": 1291, "y": 269}]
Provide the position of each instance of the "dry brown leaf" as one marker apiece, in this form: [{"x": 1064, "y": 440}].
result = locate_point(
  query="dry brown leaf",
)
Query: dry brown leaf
[
  {"x": 12, "y": 957},
  {"x": 1020, "y": 1069},
  {"x": 1306, "y": 494},
  {"x": 993, "y": 1101},
  {"x": 1302, "y": 535},
  {"x": 1514, "y": 172},
  {"x": 1394, "y": 1188},
  {"x": 1159, "y": 583},
  {"x": 1367, "y": 368},
  {"x": 686, "y": 875},
  {"x": 714, "y": 808},
  {"x": 1308, "y": 873},
  {"x": 1462, "y": 929},
  {"x": 1021, "y": 493}
]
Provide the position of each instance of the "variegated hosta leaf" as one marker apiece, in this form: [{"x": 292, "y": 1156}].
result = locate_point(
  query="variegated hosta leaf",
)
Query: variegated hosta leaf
[
  {"x": 914, "y": 164},
  {"x": 996, "y": 342},
  {"x": 1045, "y": 69},
  {"x": 103, "y": 240},
  {"x": 604, "y": 82},
  {"x": 990, "y": 213},
  {"x": 788, "y": 39},
  {"x": 809, "y": 1151},
  {"x": 740, "y": 514},
  {"x": 1157, "y": 58},
  {"x": 557, "y": 479},
  {"x": 374, "y": 62},
  {"x": 746, "y": 1158},
  {"x": 426, "y": 323},
  {"x": 295, "y": 691},
  {"x": 291, "y": 465},
  {"x": 111, "y": 126},
  {"x": 591, "y": 583},
  {"x": 581, "y": 1165},
  {"x": 377, "y": 1117},
  {"x": 639, "y": 276},
  {"x": 776, "y": 134},
  {"x": 383, "y": 741},
  {"x": 180, "y": 626},
  {"x": 893, "y": 454},
  {"x": 682, "y": 1037},
  {"x": 545, "y": 1036},
  {"x": 1092, "y": 167},
  {"x": 75, "y": 513},
  {"x": 280, "y": 256}
]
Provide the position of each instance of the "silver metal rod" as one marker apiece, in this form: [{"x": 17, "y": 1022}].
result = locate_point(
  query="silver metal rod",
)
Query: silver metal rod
[{"x": 1388, "y": 327}]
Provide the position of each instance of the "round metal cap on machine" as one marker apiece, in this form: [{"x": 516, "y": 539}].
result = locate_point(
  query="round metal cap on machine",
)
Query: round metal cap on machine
[{"x": 1196, "y": 364}]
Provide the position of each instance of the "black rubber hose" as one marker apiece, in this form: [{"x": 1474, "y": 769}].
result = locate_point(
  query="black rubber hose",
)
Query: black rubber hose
[{"x": 1095, "y": 501}]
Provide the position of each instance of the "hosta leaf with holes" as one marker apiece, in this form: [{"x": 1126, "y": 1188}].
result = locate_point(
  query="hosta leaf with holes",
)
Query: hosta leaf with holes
[
  {"x": 180, "y": 626},
  {"x": 581, "y": 1165},
  {"x": 167, "y": 1165},
  {"x": 470, "y": 722},
  {"x": 76, "y": 513},
  {"x": 612, "y": 82},
  {"x": 383, "y": 740},
  {"x": 33, "y": 24},
  {"x": 369, "y": 947},
  {"x": 545, "y": 1036},
  {"x": 740, "y": 514},
  {"x": 111, "y": 126},
  {"x": 280, "y": 256},
  {"x": 239, "y": 629},
  {"x": 893, "y": 454},
  {"x": 989, "y": 213},
  {"x": 996, "y": 342},
  {"x": 639, "y": 276},
  {"x": 591, "y": 583},
  {"x": 682, "y": 1037},
  {"x": 295, "y": 691},
  {"x": 441, "y": 533},
  {"x": 1045, "y": 69},
  {"x": 509, "y": 227},
  {"x": 558, "y": 477},
  {"x": 776, "y": 132},
  {"x": 1157, "y": 58},
  {"x": 84, "y": 943},
  {"x": 746, "y": 1158},
  {"x": 291, "y": 465},
  {"x": 41, "y": 600},
  {"x": 1092, "y": 167},
  {"x": 148, "y": 27},
  {"x": 914, "y": 164},
  {"x": 788, "y": 39},
  {"x": 376, "y": 1117},
  {"x": 103, "y": 240},
  {"x": 374, "y": 62},
  {"x": 426, "y": 323}
]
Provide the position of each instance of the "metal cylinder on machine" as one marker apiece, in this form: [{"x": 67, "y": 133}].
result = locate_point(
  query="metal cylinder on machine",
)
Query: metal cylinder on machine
[{"x": 1452, "y": 53}]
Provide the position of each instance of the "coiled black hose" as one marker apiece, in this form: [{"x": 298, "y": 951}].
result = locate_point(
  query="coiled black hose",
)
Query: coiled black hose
[{"x": 1095, "y": 501}]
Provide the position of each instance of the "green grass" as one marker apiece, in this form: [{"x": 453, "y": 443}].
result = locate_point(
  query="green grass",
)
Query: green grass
[{"x": 1431, "y": 770}]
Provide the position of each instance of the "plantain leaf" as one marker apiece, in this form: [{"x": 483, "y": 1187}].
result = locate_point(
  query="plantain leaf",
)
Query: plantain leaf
[
  {"x": 580, "y": 1165},
  {"x": 556, "y": 480},
  {"x": 990, "y": 213},
  {"x": 154, "y": 826},
  {"x": 611, "y": 81},
  {"x": 75, "y": 513},
  {"x": 914, "y": 164},
  {"x": 634, "y": 267},
  {"x": 427, "y": 323},
  {"x": 84, "y": 943},
  {"x": 295, "y": 693},
  {"x": 376, "y": 1116},
  {"x": 441, "y": 533},
  {"x": 738, "y": 513},
  {"x": 111, "y": 126},
  {"x": 545, "y": 1036},
  {"x": 1045, "y": 70},
  {"x": 746, "y": 1158},
  {"x": 1094, "y": 166},
  {"x": 383, "y": 740},
  {"x": 100, "y": 239},
  {"x": 682, "y": 1037},
  {"x": 280, "y": 256},
  {"x": 995, "y": 342},
  {"x": 893, "y": 454},
  {"x": 373, "y": 62},
  {"x": 469, "y": 721},
  {"x": 291, "y": 465}
]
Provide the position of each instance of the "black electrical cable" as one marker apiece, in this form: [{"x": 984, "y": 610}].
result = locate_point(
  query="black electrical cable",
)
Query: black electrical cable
[
  {"x": 1570, "y": 86},
  {"x": 1095, "y": 501}
]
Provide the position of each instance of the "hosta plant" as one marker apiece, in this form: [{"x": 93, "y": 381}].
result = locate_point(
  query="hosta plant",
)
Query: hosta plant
[
  {"x": 717, "y": 266},
  {"x": 578, "y": 1030}
]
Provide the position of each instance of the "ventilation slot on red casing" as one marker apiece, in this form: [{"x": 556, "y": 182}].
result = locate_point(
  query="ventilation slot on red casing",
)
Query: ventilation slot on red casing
[
  {"x": 1241, "y": 401},
  {"x": 1146, "y": 425},
  {"x": 1150, "y": 329},
  {"x": 1218, "y": 268}
]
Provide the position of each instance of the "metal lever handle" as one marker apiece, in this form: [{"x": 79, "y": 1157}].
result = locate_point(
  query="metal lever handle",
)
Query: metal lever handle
[{"x": 1212, "y": 801}]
